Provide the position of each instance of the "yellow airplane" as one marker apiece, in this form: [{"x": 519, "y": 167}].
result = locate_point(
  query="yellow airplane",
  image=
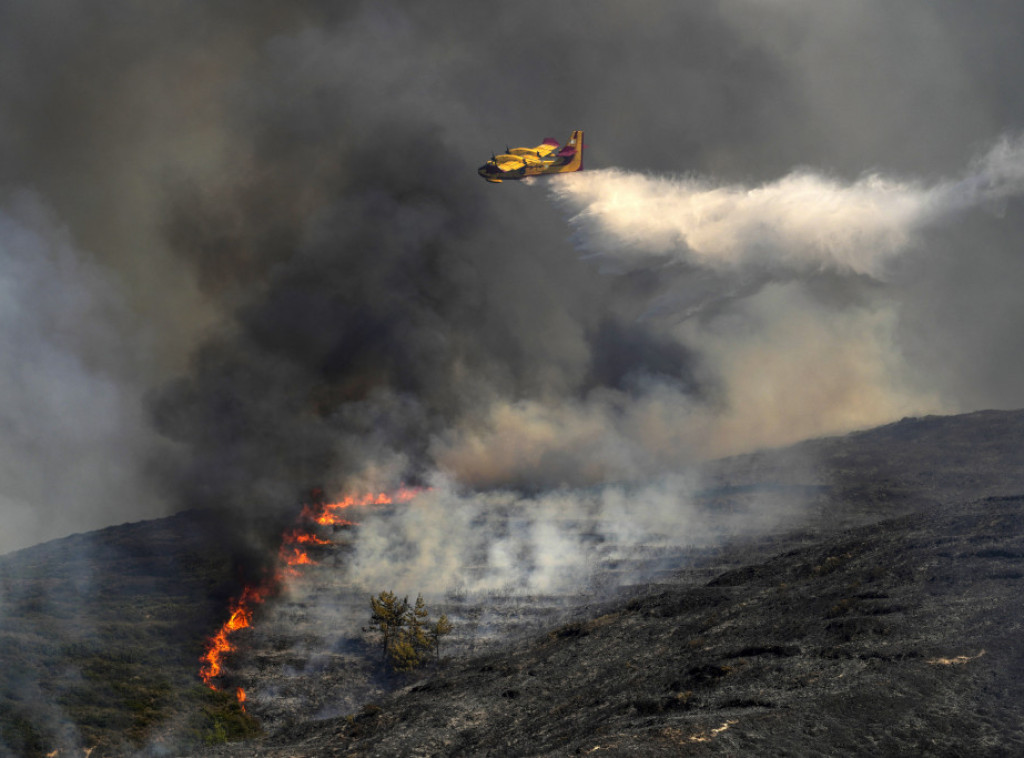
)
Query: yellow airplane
[{"x": 546, "y": 158}]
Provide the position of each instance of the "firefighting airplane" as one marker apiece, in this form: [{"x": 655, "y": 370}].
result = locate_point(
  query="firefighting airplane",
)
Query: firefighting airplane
[{"x": 520, "y": 162}]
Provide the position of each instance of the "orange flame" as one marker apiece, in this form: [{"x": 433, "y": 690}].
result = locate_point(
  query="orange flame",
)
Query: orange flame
[
  {"x": 220, "y": 645},
  {"x": 326, "y": 514},
  {"x": 293, "y": 536},
  {"x": 296, "y": 557},
  {"x": 240, "y": 696}
]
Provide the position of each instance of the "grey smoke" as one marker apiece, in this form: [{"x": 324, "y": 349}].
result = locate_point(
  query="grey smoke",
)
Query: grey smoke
[
  {"x": 74, "y": 438},
  {"x": 550, "y": 543}
]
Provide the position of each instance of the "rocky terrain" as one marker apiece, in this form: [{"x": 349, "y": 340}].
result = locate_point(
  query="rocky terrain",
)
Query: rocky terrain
[{"x": 880, "y": 617}]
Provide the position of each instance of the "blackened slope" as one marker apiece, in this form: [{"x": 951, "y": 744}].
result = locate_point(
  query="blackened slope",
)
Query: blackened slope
[
  {"x": 891, "y": 639},
  {"x": 890, "y": 469},
  {"x": 943, "y": 457},
  {"x": 81, "y": 617},
  {"x": 101, "y": 635}
]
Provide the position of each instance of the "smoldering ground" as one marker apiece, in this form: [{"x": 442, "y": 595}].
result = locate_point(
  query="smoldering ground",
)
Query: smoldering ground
[{"x": 331, "y": 297}]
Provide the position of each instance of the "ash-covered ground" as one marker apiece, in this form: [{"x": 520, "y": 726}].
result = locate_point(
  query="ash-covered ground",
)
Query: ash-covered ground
[
  {"x": 310, "y": 654},
  {"x": 883, "y": 620},
  {"x": 902, "y": 637},
  {"x": 879, "y": 616}
]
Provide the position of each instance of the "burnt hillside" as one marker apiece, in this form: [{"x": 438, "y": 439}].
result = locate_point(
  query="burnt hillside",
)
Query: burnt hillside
[
  {"x": 880, "y": 618},
  {"x": 883, "y": 623},
  {"x": 898, "y": 638}
]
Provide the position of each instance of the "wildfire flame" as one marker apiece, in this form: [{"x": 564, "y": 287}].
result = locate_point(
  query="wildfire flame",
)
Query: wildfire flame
[
  {"x": 326, "y": 514},
  {"x": 293, "y": 536},
  {"x": 296, "y": 557},
  {"x": 288, "y": 557},
  {"x": 220, "y": 645}
]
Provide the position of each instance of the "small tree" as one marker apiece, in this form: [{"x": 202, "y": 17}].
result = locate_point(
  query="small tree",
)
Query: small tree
[
  {"x": 437, "y": 630},
  {"x": 404, "y": 655},
  {"x": 407, "y": 635},
  {"x": 388, "y": 616},
  {"x": 419, "y": 624}
]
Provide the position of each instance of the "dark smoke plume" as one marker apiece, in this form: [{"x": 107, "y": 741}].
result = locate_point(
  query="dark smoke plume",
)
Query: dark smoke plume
[
  {"x": 311, "y": 287},
  {"x": 347, "y": 328}
]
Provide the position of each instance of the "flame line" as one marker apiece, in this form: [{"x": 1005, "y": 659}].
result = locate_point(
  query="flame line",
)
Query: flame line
[{"x": 288, "y": 557}]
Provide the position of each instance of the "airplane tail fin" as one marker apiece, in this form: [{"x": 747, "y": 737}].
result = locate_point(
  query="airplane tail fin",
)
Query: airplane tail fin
[{"x": 573, "y": 153}]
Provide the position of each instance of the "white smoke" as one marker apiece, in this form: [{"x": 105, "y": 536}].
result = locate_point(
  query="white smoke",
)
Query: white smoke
[
  {"x": 554, "y": 542},
  {"x": 805, "y": 222},
  {"x": 74, "y": 438}
]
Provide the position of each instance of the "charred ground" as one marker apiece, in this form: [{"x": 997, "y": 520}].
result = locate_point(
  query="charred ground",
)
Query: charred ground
[
  {"x": 885, "y": 620},
  {"x": 892, "y": 639}
]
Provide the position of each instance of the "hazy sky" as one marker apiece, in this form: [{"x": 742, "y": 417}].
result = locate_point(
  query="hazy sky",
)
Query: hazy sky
[{"x": 244, "y": 249}]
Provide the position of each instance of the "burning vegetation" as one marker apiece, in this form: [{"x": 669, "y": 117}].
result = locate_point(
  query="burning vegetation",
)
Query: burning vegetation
[
  {"x": 293, "y": 553},
  {"x": 220, "y": 644}
]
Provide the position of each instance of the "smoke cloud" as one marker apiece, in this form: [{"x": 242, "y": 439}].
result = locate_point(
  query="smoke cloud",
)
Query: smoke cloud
[
  {"x": 549, "y": 543},
  {"x": 279, "y": 270},
  {"x": 74, "y": 434},
  {"x": 559, "y": 549}
]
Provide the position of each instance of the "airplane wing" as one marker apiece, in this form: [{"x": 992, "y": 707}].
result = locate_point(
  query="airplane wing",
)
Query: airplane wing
[
  {"x": 507, "y": 162},
  {"x": 543, "y": 150},
  {"x": 516, "y": 158}
]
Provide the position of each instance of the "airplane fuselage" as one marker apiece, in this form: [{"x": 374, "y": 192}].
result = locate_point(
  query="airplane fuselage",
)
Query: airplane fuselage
[
  {"x": 521, "y": 162},
  {"x": 536, "y": 167}
]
